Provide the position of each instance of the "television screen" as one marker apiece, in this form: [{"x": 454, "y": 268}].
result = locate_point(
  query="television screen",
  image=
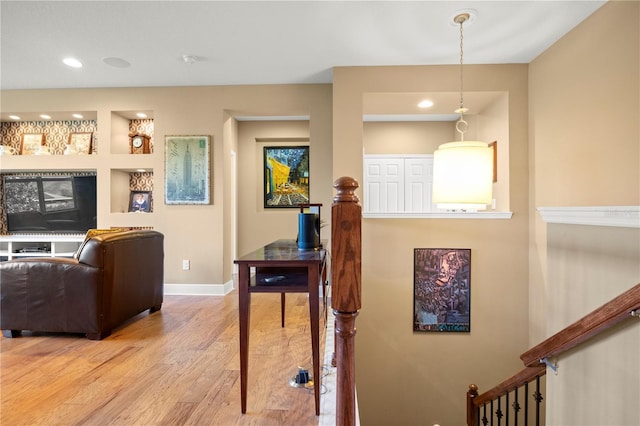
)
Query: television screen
[{"x": 50, "y": 204}]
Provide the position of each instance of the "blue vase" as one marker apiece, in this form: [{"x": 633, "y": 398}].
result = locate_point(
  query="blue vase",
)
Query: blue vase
[{"x": 308, "y": 236}]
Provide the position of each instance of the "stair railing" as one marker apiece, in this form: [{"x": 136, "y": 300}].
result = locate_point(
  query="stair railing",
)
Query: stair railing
[{"x": 537, "y": 359}]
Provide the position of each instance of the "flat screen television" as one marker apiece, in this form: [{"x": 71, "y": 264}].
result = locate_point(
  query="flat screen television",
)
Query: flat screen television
[{"x": 55, "y": 204}]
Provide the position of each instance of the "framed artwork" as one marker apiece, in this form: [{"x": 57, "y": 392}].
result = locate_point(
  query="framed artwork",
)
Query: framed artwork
[
  {"x": 82, "y": 143},
  {"x": 494, "y": 146},
  {"x": 140, "y": 202},
  {"x": 187, "y": 169},
  {"x": 286, "y": 176},
  {"x": 442, "y": 290},
  {"x": 30, "y": 143}
]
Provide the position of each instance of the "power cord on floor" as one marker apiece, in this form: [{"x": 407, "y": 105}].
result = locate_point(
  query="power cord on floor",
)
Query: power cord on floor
[{"x": 326, "y": 371}]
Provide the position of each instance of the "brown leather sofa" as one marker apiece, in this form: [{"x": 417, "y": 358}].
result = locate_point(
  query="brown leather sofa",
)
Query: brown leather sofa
[{"x": 113, "y": 277}]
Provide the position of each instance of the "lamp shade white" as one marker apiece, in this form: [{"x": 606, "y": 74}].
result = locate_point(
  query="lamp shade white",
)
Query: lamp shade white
[{"x": 463, "y": 175}]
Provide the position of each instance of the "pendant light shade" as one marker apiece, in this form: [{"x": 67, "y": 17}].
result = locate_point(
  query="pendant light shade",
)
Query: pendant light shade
[
  {"x": 462, "y": 171},
  {"x": 463, "y": 175}
]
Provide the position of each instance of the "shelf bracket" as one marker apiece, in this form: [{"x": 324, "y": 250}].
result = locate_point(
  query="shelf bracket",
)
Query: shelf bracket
[{"x": 549, "y": 364}]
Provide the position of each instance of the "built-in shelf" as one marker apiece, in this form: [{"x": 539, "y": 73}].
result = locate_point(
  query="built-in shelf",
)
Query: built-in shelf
[
  {"x": 619, "y": 216},
  {"x": 124, "y": 169},
  {"x": 20, "y": 246}
]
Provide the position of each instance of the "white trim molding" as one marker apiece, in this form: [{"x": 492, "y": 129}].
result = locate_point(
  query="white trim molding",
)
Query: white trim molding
[
  {"x": 198, "y": 289},
  {"x": 440, "y": 215},
  {"x": 619, "y": 216}
]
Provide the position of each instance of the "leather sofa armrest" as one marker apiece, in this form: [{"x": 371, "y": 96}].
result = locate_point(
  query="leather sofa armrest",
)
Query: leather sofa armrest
[
  {"x": 53, "y": 294},
  {"x": 91, "y": 253},
  {"x": 45, "y": 269}
]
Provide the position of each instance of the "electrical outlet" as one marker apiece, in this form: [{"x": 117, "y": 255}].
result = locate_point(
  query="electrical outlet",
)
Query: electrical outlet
[{"x": 185, "y": 265}]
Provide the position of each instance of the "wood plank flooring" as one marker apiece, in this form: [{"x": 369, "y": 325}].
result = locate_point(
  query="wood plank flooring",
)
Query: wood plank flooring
[{"x": 179, "y": 366}]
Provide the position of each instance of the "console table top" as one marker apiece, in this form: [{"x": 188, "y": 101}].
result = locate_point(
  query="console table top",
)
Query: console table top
[{"x": 284, "y": 251}]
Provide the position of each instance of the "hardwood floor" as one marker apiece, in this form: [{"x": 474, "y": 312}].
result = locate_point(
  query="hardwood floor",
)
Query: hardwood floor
[{"x": 179, "y": 366}]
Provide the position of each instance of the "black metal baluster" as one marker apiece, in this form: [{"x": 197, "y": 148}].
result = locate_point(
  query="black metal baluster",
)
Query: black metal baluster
[
  {"x": 484, "y": 415},
  {"x": 538, "y": 397},
  {"x": 526, "y": 404},
  {"x": 506, "y": 406},
  {"x": 499, "y": 411},
  {"x": 491, "y": 412},
  {"x": 478, "y": 416},
  {"x": 516, "y": 407}
]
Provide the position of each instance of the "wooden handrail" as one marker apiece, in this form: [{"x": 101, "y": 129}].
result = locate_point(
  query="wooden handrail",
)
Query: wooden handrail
[
  {"x": 523, "y": 376},
  {"x": 346, "y": 245},
  {"x": 604, "y": 317}
]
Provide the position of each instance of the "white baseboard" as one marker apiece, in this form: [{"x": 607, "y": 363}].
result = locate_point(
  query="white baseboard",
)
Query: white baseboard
[{"x": 198, "y": 289}]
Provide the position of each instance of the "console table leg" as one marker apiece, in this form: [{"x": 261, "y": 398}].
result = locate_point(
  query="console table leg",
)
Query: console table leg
[
  {"x": 244, "y": 305},
  {"x": 282, "y": 305},
  {"x": 314, "y": 314}
]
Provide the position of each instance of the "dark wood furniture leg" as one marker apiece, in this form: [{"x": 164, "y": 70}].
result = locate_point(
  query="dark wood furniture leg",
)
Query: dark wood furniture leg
[
  {"x": 282, "y": 307},
  {"x": 314, "y": 315},
  {"x": 244, "y": 305}
]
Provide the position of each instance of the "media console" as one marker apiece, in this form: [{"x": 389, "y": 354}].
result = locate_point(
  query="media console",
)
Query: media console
[{"x": 16, "y": 246}]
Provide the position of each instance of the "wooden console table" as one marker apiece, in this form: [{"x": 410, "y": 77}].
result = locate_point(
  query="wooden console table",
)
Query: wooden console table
[{"x": 280, "y": 267}]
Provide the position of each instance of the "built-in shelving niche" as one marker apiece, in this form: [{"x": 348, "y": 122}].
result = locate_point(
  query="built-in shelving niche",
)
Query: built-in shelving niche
[
  {"x": 125, "y": 123},
  {"x": 56, "y": 130}
]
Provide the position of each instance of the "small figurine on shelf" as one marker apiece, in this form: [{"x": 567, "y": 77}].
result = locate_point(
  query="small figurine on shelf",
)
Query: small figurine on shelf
[
  {"x": 7, "y": 150},
  {"x": 70, "y": 150},
  {"x": 42, "y": 150}
]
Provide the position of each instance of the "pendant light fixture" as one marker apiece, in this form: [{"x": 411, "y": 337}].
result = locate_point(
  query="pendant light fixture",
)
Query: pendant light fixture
[{"x": 463, "y": 170}]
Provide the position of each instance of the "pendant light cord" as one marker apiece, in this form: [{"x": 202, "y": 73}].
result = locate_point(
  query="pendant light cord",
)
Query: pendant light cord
[
  {"x": 461, "y": 67},
  {"x": 461, "y": 124}
]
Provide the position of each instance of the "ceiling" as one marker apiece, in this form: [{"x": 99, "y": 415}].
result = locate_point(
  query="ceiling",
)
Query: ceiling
[{"x": 262, "y": 42}]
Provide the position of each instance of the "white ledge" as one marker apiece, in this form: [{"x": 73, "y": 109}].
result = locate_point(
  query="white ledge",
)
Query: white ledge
[
  {"x": 620, "y": 216},
  {"x": 439, "y": 215}
]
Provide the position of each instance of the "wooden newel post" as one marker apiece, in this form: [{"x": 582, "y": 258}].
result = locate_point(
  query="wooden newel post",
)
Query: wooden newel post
[
  {"x": 346, "y": 216},
  {"x": 472, "y": 411}
]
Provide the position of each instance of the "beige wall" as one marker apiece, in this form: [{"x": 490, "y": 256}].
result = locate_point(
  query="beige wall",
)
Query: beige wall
[
  {"x": 406, "y": 137},
  {"x": 199, "y": 233},
  {"x": 585, "y": 151},
  {"x": 407, "y": 378},
  {"x": 585, "y": 131},
  {"x": 258, "y": 226},
  {"x": 573, "y": 139},
  {"x": 493, "y": 125},
  {"x": 597, "y": 383}
]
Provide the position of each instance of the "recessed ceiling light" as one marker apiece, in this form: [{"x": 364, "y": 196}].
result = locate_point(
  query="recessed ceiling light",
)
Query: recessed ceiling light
[
  {"x": 141, "y": 115},
  {"x": 72, "y": 62},
  {"x": 425, "y": 103},
  {"x": 14, "y": 117},
  {"x": 76, "y": 115},
  {"x": 116, "y": 62},
  {"x": 45, "y": 116},
  {"x": 192, "y": 59}
]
